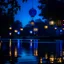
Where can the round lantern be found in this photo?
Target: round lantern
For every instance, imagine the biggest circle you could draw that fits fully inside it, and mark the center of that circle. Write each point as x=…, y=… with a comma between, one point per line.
x=51, y=22
x=32, y=12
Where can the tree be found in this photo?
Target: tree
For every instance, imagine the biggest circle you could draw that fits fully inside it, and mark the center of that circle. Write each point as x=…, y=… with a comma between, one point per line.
x=53, y=9
x=8, y=8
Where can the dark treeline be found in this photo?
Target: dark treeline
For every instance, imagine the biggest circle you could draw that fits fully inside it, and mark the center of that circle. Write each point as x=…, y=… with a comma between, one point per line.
x=53, y=9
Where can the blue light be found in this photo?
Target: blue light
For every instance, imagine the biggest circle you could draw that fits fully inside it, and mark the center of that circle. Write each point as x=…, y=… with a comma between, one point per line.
x=31, y=32
x=60, y=30
x=18, y=33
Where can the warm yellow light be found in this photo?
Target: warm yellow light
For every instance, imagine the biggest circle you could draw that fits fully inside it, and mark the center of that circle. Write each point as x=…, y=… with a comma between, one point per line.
x=40, y=60
x=59, y=60
x=21, y=29
x=51, y=59
x=15, y=31
x=35, y=29
x=51, y=23
x=32, y=23
x=10, y=28
x=46, y=27
x=10, y=53
x=46, y=56
x=15, y=52
x=36, y=52
x=10, y=43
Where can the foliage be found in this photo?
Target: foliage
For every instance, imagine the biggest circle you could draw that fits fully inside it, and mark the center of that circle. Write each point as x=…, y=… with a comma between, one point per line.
x=54, y=9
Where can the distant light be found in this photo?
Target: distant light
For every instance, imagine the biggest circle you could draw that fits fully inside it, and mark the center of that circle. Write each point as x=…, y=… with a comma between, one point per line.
x=10, y=28
x=46, y=27
x=15, y=52
x=41, y=60
x=15, y=31
x=55, y=28
x=35, y=29
x=60, y=30
x=51, y=23
x=32, y=23
x=51, y=59
x=18, y=33
x=10, y=33
x=31, y=32
x=10, y=53
x=21, y=29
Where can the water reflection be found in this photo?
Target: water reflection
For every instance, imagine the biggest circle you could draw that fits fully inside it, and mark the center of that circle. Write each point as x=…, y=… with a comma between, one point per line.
x=31, y=51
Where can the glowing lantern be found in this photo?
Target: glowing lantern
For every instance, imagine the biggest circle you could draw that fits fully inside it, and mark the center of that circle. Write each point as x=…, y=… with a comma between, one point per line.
x=51, y=23
x=35, y=29
x=21, y=29
x=15, y=31
x=55, y=28
x=10, y=28
x=10, y=33
x=46, y=27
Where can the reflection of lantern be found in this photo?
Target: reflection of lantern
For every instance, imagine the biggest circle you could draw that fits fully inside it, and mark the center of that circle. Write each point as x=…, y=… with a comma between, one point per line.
x=32, y=12
x=40, y=60
x=51, y=59
x=58, y=23
x=51, y=22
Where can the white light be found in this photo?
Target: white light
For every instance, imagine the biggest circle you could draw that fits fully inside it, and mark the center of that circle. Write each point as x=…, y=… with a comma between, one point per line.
x=10, y=28
x=30, y=32
x=21, y=29
x=15, y=31
x=51, y=22
x=10, y=33
x=35, y=29
x=55, y=28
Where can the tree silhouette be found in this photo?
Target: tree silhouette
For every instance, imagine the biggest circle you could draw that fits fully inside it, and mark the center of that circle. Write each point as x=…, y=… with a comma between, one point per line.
x=53, y=9
x=8, y=8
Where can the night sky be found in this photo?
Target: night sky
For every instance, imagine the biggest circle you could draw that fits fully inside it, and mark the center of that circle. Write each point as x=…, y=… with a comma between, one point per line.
x=23, y=14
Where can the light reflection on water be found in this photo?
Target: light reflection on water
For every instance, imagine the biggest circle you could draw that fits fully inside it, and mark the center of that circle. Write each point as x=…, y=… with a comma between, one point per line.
x=31, y=51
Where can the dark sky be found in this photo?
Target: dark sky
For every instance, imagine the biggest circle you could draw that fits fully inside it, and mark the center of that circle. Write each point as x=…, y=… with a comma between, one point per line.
x=23, y=14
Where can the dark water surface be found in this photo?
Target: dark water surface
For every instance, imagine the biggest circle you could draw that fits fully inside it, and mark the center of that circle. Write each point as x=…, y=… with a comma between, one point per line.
x=31, y=51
